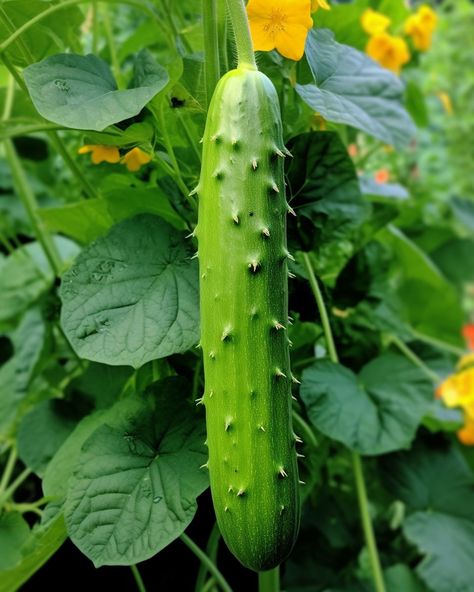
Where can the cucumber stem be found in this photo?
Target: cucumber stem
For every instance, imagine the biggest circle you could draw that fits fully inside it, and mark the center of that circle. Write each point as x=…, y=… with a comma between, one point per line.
x=269, y=581
x=356, y=460
x=211, y=46
x=410, y=354
x=203, y=558
x=243, y=39
x=138, y=578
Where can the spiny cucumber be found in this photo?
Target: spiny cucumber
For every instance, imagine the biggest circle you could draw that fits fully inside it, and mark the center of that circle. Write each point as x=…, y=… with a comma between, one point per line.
x=243, y=261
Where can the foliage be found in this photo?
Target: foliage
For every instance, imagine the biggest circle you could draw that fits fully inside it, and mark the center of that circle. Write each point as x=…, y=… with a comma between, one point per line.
x=100, y=366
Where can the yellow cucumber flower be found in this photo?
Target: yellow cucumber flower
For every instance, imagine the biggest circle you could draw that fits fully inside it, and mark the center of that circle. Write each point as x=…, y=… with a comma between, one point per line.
x=101, y=153
x=374, y=22
x=389, y=51
x=280, y=24
x=420, y=27
x=135, y=158
x=317, y=4
x=458, y=391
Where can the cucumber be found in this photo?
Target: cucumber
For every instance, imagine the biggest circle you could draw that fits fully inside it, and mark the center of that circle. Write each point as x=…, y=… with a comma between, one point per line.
x=243, y=260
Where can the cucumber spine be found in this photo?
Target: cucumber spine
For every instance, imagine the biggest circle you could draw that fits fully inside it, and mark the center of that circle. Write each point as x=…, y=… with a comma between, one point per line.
x=243, y=260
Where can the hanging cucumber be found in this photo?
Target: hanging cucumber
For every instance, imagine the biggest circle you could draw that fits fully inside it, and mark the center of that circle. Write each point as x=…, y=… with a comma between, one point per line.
x=244, y=311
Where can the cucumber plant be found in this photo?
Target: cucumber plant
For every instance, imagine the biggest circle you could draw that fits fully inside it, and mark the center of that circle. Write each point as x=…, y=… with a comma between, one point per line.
x=244, y=314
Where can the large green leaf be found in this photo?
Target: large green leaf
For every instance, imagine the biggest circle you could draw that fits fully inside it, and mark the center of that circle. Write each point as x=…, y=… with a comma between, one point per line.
x=455, y=259
x=132, y=296
x=14, y=531
x=349, y=87
x=80, y=92
x=438, y=487
x=43, y=542
x=137, y=478
x=85, y=221
x=376, y=412
x=16, y=374
x=53, y=33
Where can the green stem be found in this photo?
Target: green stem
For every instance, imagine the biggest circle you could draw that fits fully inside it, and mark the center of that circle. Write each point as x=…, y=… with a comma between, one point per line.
x=211, y=550
x=305, y=429
x=23, y=476
x=208, y=586
x=60, y=147
x=95, y=26
x=410, y=354
x=211, y=46
x=457, y=351
x=356, y=461
x=203, y=558
x=7, y=473
x=269, y=581
x=52, y=9
x=222, y=36
x=24, y=130
x=322, y=309
x=138, y=578
x=189, y=136
x=112, y=48
x=367, y=523
x=243, y=39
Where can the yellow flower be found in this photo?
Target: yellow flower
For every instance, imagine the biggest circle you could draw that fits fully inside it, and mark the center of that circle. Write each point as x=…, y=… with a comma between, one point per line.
x=466, y=434
x=420, y=27
x=317, y=4
x=374, y=22
x=135, y=158
x=458, y=390
x=101, y=153
x=466, y=361
x=389, y=51
x=281, y=25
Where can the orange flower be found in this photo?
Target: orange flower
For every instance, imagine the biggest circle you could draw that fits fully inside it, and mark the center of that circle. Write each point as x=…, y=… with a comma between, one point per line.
x=135, y=159
x=101, y=153
x=281, y=25
x=468, y=334
x=389, y=51
x=382, y=176
x=466, y=434
x=353, y=150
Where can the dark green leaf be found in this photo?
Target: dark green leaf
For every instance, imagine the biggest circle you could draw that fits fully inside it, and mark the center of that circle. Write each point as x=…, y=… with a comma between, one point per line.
x=14, y=531
x=455, y=259
x=80, y=92
x=373, y=413
x=137, y=478
x=132, y=296
x=351, y=88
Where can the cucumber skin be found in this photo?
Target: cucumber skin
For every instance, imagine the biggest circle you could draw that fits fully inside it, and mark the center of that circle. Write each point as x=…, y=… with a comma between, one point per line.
x=243, y=261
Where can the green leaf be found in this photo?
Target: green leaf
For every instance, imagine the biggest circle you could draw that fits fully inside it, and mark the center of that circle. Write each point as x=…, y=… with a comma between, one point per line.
x=455, y=259
x=137, y=478
x=80, y=92
x=17, y=373
x=431, y=303
x=373, y=413
x=438, y=487
x=416, y=104
x=132, y=296
x=25, y=275
x=43, y=430
x=349, y=87
x=44, y=541
x=344, y=21
x=14, y=531
x=400, y=577
x=53, y=33
x=85, y=221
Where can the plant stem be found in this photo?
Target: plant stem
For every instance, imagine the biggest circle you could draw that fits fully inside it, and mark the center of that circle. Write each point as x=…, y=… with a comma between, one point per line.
x=356, y=461
x=211, y=551
x=222, y=37
x=23, y=476
x=243, y=40
x=367, y=523
x=112, y=49
x=453, y=349
x=187, y=131
x=211, y=46
x=203, y=558
x=410, y=354
x=322, y=309
x=7, y=473
x=138, y=578
x=306, y=431
x=269, y=581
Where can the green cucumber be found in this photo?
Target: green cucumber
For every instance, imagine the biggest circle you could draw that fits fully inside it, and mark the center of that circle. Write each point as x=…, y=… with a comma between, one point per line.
x=243, y=261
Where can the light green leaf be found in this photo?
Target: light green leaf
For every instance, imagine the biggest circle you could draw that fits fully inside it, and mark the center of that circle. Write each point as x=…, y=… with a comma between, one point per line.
x=80, y=92
x=400, y=577
x=455, y=259
x=349, y=87
x=44, y=541
x=16, y=374
x=137, y=478
x=376, y=412
x=14, y=531
x=437, y=486
x=132, y=296
x=43, y=430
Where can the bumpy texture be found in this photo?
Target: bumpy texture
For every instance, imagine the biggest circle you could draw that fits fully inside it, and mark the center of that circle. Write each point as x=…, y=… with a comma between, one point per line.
x=244, y=313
